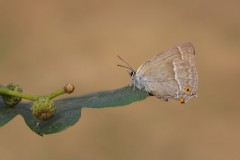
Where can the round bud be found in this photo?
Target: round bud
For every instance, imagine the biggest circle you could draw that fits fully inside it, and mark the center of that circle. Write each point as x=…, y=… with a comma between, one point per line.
x=68, y=88
x=43, y=108
x=12, y=100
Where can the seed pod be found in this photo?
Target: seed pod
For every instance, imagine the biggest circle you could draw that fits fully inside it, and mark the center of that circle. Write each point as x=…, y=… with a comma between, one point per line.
x=11, y=100
x=43, y=108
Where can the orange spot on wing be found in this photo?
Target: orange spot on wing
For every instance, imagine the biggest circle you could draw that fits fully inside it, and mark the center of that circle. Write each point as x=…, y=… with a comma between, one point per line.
x=187, y=89
x=181, y=100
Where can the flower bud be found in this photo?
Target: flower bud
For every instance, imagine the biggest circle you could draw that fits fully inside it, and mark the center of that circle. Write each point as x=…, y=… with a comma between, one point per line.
x=68, y=88
x=11, y=100
x=43, y=108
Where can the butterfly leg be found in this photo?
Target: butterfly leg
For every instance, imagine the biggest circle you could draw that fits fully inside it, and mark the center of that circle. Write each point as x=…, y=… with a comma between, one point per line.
x=129, y=83
x=134, y=85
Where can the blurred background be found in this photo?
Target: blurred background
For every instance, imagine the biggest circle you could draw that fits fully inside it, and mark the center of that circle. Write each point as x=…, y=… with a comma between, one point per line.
x=46, y=44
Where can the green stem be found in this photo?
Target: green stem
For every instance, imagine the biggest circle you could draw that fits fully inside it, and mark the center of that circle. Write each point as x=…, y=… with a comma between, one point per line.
x=6, y=91
x=57, y=93
x=67, y=89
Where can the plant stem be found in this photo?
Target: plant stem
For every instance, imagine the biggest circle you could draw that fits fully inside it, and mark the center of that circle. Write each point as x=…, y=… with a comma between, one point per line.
x=57, y=93
x=6, y=91
x=67, y=89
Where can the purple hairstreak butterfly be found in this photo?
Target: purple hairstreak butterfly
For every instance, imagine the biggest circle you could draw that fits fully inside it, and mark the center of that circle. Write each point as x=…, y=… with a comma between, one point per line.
x=171, y=74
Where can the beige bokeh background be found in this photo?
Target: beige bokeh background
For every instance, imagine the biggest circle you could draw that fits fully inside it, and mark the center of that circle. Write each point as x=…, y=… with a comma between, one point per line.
x=45, y=44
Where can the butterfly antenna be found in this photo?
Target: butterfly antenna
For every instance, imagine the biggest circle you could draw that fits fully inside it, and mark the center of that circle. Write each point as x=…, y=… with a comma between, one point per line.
x=128, y=66
x=124, y=66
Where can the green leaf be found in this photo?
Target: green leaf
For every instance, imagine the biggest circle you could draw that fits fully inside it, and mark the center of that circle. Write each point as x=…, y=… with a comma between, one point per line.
x=119, y=97
x=6, y=113
x=63, y=119
x=69, y=109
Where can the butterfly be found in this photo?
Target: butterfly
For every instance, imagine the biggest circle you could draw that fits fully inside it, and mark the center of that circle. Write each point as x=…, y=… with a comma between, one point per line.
x=171, y=74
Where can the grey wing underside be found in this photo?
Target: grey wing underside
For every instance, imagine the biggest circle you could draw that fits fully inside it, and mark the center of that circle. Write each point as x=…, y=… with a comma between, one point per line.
x=168, y=73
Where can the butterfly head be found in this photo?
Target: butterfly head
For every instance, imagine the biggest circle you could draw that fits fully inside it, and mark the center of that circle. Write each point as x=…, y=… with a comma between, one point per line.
x=132, y=73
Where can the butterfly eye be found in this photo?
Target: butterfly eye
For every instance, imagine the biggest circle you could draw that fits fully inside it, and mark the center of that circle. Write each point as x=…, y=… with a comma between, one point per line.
x=187, y=90
x=181, y=100
x=132, y=73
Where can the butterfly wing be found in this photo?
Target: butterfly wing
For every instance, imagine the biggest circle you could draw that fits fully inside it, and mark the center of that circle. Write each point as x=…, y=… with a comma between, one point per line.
x=171, y=74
